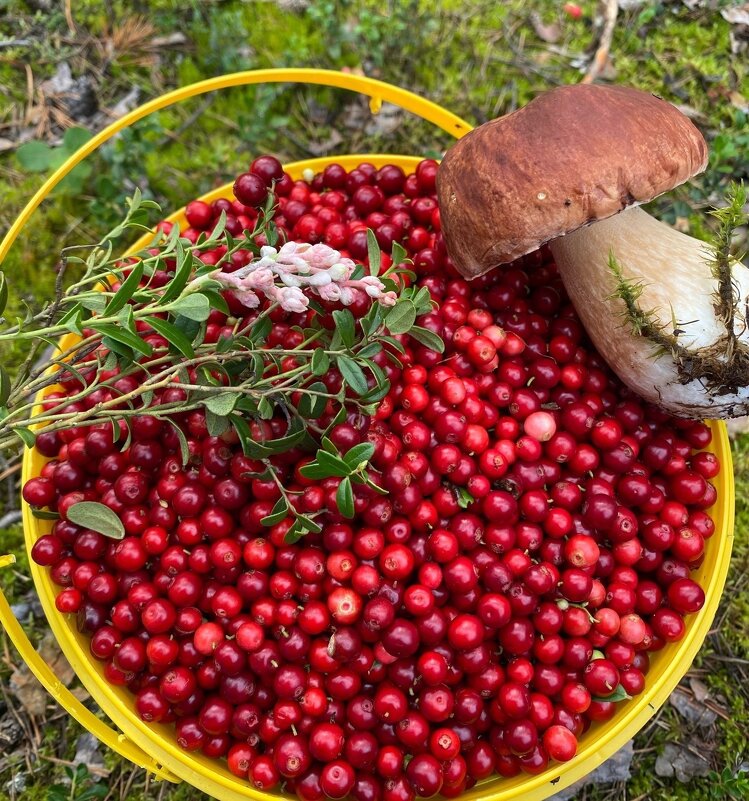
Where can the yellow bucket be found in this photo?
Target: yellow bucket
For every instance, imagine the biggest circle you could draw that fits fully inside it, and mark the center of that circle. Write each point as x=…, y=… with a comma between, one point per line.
x=153, y=746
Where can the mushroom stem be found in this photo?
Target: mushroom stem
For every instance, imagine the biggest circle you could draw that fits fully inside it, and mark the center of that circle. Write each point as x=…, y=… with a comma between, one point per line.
x=694, y=357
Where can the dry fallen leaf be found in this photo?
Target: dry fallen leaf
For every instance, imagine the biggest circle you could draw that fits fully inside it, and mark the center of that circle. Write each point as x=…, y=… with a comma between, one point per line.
x=699, y=689
x=739, y=101
x=550, y=33
x=736, y=15
x=26, y=687
x=170, y=40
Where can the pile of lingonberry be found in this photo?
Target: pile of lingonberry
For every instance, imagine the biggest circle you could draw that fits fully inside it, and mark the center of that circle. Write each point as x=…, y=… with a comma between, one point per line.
x=534, y=547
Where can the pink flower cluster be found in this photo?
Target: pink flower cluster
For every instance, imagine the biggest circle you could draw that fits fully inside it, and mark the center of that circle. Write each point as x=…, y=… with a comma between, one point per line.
x=284, y=276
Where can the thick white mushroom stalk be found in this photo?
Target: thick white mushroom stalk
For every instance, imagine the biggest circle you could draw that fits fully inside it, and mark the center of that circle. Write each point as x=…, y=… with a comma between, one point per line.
x=668, y=313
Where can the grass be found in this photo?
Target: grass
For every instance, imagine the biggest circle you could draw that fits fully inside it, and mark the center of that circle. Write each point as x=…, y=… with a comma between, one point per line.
x=480, y=65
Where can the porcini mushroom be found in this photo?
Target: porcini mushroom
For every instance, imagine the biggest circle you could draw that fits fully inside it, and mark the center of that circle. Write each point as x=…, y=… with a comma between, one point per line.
x=570, y=168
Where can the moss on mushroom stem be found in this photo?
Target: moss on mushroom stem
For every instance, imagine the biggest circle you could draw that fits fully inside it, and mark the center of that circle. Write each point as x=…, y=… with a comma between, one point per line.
x=724, y=366
x=685, y=343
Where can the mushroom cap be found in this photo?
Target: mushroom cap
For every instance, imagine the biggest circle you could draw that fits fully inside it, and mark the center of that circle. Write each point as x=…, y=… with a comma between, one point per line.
x=572, y=156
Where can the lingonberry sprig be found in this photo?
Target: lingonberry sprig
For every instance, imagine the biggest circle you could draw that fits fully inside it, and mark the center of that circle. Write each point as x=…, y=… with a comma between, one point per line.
x=351, y=467
x=145, y=318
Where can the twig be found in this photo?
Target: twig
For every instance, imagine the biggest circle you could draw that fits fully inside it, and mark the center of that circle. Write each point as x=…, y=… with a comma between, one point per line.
x=69, y=18
x=10, y=518
x=15, y=43
x=29, y=92
x=93, y=769
x=10, y=470
x=596, y=66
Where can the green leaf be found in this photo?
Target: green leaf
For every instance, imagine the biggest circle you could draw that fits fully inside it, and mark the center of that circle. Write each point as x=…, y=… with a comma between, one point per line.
x=375, y=395
x=427, y=338
x=3, y=292
x=244, y=433
x=184, y=448
x=172, y=334
x=261, y=450
x=312, y=406
x=422, y=300
x=352, y=375
x=401, y=317
x=380, y=377
x=320, y=362
x=221, y=404
x=393, y=343
x=217, y=424
x=334, y=465
x=97, y=517
x=346, y=327
x=44, y=514
x=34, y=156
x=619, y=694
x=314, y=471
x=398, y=254
x=95, y=302
x=373, y=253
x=358, y=454
x=5, y=386
x=295, y=533
x=309, y=524
x=68, y=368
x=344, y=498
x=74, y=138
x=218, y=229
x=123, y=336
x=190, y=328
x=260, y=329
x=465, y=499
x=369, y=351
x=216, y=300
x=182, y=275
x=125, y=292
x=372, y=320
x=327, y=445
x=265, y=409
x=325, y=466
x=72, y=320
x=194, y=307
x=26, y=435
x=205, y=374
x=278, y=513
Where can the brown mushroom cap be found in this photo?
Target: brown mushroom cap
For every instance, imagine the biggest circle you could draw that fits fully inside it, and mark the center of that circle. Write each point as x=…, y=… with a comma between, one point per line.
x=572, y=156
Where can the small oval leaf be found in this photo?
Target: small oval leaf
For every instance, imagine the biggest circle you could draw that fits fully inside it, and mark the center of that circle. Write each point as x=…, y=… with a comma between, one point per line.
x=401, y=317
x=344, y=498
x=194, y=307
x=352, y=375
x=97, y=517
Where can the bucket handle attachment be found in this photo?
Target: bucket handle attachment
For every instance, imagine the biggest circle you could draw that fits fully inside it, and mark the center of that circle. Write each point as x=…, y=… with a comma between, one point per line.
x=117, y=742
x=377, y=91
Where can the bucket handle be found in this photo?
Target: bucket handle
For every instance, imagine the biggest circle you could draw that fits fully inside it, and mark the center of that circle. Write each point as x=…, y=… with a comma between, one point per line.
x=117, y=742
x=378, y=91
